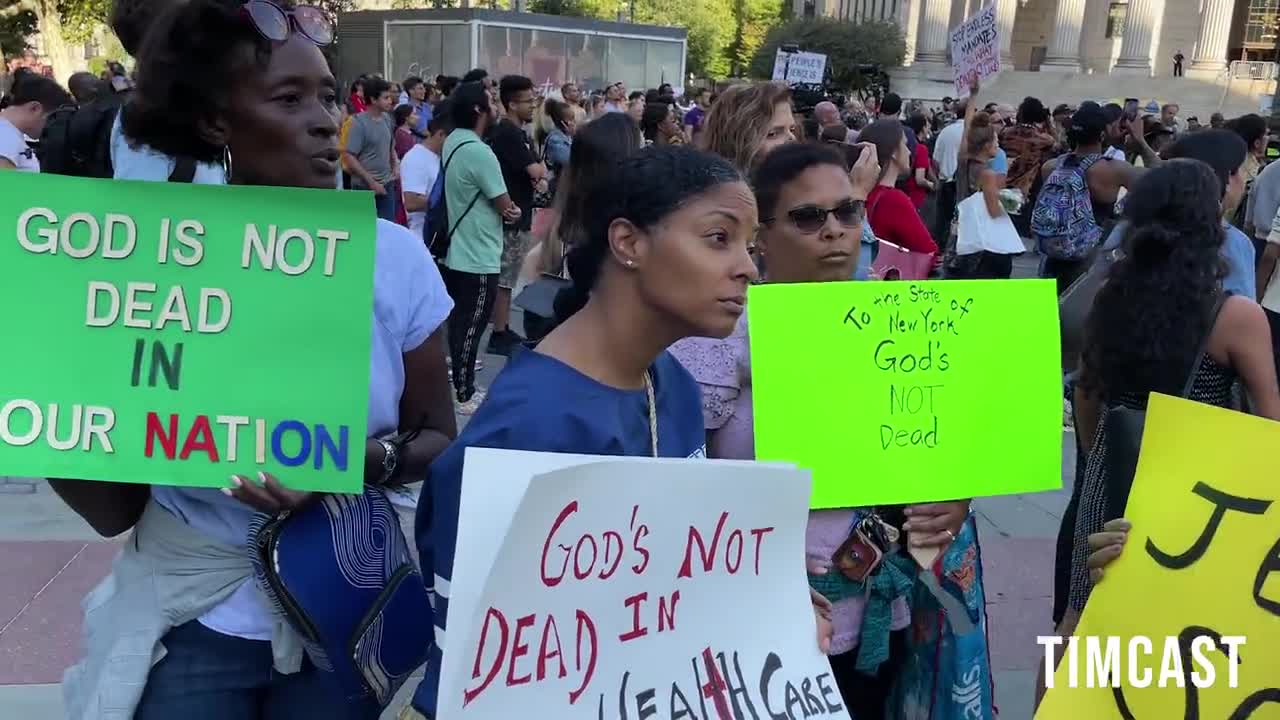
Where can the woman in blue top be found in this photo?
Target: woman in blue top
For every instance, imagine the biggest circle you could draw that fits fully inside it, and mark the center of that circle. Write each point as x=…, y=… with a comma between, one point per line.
x=664, y=254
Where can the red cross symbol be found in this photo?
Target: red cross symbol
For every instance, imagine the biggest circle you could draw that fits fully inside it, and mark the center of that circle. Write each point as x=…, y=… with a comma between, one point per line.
x=715, y=689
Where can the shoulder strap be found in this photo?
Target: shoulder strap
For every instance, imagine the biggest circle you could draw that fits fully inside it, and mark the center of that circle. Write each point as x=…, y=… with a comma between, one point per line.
x=1204, y=345
x=1088, y=161
x=184, y=170
x=455, y=152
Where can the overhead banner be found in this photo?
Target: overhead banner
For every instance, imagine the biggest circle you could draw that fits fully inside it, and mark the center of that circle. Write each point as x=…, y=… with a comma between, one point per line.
x=1186, y=624
x=975, y=49
x=176, y=334
x=900, y=392
x=602, y=587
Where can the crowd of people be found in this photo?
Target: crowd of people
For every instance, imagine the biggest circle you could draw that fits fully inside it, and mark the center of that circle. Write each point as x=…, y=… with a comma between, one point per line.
x=650, y=216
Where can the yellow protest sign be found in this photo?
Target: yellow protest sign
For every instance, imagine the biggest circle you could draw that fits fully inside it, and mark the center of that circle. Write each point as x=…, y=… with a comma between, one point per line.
x=1198, y=583
x=896, y=392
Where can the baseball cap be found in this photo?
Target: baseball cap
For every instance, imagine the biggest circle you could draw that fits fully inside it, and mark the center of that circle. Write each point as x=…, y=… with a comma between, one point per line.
x=1063, y=109
x=1089, y=120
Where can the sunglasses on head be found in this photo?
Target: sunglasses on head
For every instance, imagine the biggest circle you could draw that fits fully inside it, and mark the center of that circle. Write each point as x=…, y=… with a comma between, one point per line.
x=811, y=218
x=275, y=23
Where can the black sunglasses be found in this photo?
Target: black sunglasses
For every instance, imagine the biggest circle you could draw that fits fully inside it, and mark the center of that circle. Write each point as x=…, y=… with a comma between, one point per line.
x=811, y=218
x=274, y=22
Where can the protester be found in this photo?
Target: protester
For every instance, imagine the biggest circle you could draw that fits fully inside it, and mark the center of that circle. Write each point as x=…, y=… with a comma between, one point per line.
x=892, y=215
x=420, y=173
x=983, y=257
x=920, y=181
x=810, y=232
x=1264, y=201
x=30, y=102
x=417, y=94
x=1157, y=311
x=478, y=204
x=659, y=125
x=179, y=629
x=828, y=117
x=1030, y=142
x=1169, y=117
x=523, y=174
x=635, y=109
x=369, y=150
x=85, y=88
x=404, y=118
x=664, y=256
x=572, y=95
x=946, y=156
x=697, y=115
x=1252, y=128
x=1226, y=153
x=747, y=121
x=615, y=98
x=357, y=100
x=1066, y=250
x=557, y=140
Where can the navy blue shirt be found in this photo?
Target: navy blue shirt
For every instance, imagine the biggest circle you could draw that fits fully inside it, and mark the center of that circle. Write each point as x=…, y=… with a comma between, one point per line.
x=539, y=403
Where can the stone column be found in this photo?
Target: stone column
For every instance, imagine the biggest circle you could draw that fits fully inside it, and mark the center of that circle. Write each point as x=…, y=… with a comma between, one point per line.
x=1135, y=47
x=1210, y=56
x=1006, y=12
x=931, y=43
x=1064, y=51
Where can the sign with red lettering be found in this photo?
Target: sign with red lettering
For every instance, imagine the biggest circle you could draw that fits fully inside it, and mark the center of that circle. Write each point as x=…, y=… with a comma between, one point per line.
x=633, y=588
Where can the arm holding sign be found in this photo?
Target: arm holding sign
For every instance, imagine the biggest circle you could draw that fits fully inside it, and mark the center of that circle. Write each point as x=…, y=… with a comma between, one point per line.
x=110, y=508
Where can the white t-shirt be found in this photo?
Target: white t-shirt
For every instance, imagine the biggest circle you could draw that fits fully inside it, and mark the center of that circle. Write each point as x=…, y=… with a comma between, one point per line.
x=409, y=304
x=143, y=163
x=946, y=151
x=1115, y=153
x=14, y=148
x=418, y=171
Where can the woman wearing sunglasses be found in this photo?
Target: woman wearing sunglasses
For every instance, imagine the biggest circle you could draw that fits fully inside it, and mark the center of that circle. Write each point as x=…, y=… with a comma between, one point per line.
x=180, y=629
x=811, y=211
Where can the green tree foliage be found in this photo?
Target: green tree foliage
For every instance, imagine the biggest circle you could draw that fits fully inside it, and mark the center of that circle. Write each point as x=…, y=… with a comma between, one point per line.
x=709, y=26
x=81, y=18
x=751, y=20
x=17, y=25
x=845, y=44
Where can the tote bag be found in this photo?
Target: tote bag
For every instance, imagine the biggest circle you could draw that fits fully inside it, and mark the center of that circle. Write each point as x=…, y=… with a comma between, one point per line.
x=894, y=262
x=978, y=231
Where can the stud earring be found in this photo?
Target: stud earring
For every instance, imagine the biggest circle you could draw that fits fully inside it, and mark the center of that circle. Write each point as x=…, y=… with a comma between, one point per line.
x=631, y=263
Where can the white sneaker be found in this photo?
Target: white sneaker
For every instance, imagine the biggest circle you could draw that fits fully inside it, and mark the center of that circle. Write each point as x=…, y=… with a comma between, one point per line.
x=469, y=407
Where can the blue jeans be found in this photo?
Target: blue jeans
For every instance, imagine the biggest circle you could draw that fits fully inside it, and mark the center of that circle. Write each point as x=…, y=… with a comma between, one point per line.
x=206, y=675
x=386, y=204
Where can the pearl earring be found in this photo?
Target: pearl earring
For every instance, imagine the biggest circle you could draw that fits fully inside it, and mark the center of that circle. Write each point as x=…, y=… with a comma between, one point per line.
x=630, y=263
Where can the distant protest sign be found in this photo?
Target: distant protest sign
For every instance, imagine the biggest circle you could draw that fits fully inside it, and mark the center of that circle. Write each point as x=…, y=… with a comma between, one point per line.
x=631, y=589
x=175, y=334
x=799, y=67
x=975, y=49
x=1186, y=624
x=899, y=392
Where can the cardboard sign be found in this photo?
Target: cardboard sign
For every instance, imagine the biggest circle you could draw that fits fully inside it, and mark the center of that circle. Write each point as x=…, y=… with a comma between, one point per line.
x=631, y=588
x=1202, y=561
x=175, y=334
x=900, y=392
x=975, y=49
x=799, y=67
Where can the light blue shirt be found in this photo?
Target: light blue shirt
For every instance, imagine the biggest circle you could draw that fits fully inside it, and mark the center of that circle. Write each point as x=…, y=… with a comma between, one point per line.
x=1000, y=163
x=1239, y=253
x=868, y=251
x=140, y=162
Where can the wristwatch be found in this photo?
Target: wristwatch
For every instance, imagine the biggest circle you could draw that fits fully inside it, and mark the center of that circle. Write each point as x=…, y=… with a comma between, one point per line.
x=390, y=460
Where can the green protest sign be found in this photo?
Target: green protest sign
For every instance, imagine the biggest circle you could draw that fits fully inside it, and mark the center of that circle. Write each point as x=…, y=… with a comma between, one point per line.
x=899, y=392
x=177, y=334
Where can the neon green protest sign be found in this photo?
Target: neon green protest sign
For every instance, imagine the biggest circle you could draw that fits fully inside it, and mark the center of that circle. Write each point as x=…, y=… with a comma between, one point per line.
x=898, y=392
x=177, y=334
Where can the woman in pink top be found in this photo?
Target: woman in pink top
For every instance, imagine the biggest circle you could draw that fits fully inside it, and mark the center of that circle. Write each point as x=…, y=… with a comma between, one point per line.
x=811, y=214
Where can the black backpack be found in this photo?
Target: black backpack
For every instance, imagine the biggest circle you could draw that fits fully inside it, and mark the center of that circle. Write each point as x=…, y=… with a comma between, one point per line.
x=77, y=139
x=439, y=232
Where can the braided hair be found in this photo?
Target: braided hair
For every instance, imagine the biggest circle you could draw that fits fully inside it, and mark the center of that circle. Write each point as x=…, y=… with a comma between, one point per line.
x=644, y=189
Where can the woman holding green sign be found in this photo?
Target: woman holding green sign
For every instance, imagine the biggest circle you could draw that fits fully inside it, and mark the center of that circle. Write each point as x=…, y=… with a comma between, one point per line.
x=246, y=82
x=811, y=212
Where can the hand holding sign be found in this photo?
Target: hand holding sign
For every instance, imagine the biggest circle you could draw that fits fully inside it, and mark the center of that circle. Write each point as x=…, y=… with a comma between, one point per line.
x=1186, y=645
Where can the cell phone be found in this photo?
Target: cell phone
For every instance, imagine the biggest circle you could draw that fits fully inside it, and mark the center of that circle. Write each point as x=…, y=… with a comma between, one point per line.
x=1131, y=109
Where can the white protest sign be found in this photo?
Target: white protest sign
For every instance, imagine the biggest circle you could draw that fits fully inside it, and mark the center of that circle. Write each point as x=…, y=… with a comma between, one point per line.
x=799, y=67
x=664, y=589
x=975, y=49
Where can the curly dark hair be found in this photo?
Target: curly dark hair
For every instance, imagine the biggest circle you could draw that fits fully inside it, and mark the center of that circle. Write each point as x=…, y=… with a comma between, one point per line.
x=1151, y=314
x=187, y=67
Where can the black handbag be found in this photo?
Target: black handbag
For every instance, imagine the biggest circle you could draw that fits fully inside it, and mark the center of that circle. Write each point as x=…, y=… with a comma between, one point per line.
x=1124, y=431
